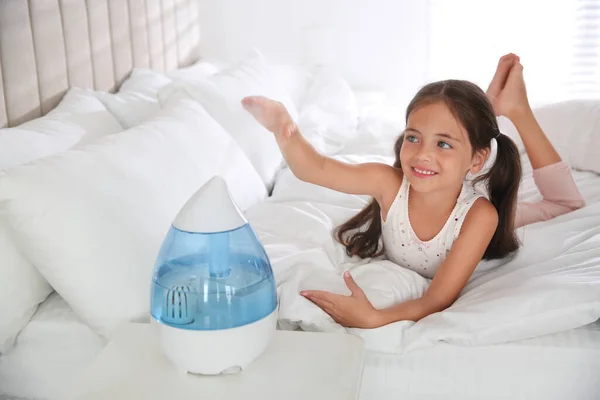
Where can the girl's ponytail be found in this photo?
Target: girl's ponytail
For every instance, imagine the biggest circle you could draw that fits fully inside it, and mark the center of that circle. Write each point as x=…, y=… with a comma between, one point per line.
x=361, y=233
x=503, y=181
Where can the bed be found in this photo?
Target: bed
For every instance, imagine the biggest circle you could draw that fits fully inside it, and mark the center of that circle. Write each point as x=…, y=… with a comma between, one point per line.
x=56, y=343
x=138, y=67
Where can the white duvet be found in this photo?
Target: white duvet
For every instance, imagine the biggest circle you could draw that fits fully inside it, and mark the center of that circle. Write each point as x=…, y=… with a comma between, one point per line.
x=552, y=285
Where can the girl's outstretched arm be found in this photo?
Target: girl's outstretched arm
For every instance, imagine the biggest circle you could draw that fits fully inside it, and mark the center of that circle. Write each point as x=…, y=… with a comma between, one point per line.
x=377, y=180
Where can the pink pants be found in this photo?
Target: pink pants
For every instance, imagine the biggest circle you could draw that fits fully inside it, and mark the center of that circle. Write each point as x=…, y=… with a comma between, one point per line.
x=559, y=195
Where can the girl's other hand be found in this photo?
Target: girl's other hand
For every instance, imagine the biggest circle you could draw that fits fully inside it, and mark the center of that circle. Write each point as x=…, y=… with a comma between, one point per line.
x=354, y=311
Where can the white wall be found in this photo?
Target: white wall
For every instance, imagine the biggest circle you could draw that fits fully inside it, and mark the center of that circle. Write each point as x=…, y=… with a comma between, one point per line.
x=468, y=36
x=376, y=44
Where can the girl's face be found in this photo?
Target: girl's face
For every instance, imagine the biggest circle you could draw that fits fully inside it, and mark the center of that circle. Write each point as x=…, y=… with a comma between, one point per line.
x=436, y=153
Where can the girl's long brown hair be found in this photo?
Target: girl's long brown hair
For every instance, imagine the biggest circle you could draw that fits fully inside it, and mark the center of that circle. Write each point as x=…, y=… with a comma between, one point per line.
x=361, y=234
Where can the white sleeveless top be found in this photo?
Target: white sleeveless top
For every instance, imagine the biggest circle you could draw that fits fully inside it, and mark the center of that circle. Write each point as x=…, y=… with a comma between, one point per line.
x=403, y=247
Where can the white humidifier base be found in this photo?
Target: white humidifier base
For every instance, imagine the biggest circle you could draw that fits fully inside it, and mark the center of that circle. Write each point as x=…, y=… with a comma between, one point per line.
x=213, y=352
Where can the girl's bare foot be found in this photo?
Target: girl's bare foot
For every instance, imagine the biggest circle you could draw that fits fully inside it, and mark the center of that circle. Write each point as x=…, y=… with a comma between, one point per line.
x=499, y=80
x=512, y=101
x=271, y=114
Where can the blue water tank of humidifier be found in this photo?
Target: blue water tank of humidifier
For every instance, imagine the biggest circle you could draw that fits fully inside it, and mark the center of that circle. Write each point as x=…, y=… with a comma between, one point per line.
x=213, y=293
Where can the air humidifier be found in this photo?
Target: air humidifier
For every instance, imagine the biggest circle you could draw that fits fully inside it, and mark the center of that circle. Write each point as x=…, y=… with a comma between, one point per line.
x=213, y=295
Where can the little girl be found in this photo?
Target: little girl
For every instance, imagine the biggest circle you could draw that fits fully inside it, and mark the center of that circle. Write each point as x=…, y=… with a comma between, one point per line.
x=425, y=215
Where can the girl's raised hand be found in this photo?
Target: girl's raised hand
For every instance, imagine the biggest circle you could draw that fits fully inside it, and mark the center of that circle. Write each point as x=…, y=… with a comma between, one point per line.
x=271, y=114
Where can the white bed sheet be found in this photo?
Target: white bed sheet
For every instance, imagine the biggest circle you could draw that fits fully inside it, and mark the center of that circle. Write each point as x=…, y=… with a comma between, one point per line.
x=54, y=346
x=559, y=366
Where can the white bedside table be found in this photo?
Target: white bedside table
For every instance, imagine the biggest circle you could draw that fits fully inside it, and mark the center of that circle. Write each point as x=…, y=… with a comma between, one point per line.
x=296, y=365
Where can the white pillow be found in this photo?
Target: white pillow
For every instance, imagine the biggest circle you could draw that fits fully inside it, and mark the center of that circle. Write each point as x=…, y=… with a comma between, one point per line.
x=136, y=100
x=93, y=220
x=199, y=70
x=78, y=118
x=572, y=126
x=294, y=80
x=329, y=114
x=221, y=95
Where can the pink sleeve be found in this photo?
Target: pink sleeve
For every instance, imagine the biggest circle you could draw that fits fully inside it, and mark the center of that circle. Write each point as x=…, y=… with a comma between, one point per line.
x=559, y=195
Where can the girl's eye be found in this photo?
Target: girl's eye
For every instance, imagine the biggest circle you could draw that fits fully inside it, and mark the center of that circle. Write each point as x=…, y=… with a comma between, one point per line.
x=444, y=145
x=411, y=138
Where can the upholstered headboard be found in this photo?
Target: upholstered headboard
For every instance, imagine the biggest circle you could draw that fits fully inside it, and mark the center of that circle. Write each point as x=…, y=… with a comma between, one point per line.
x=47, y=46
